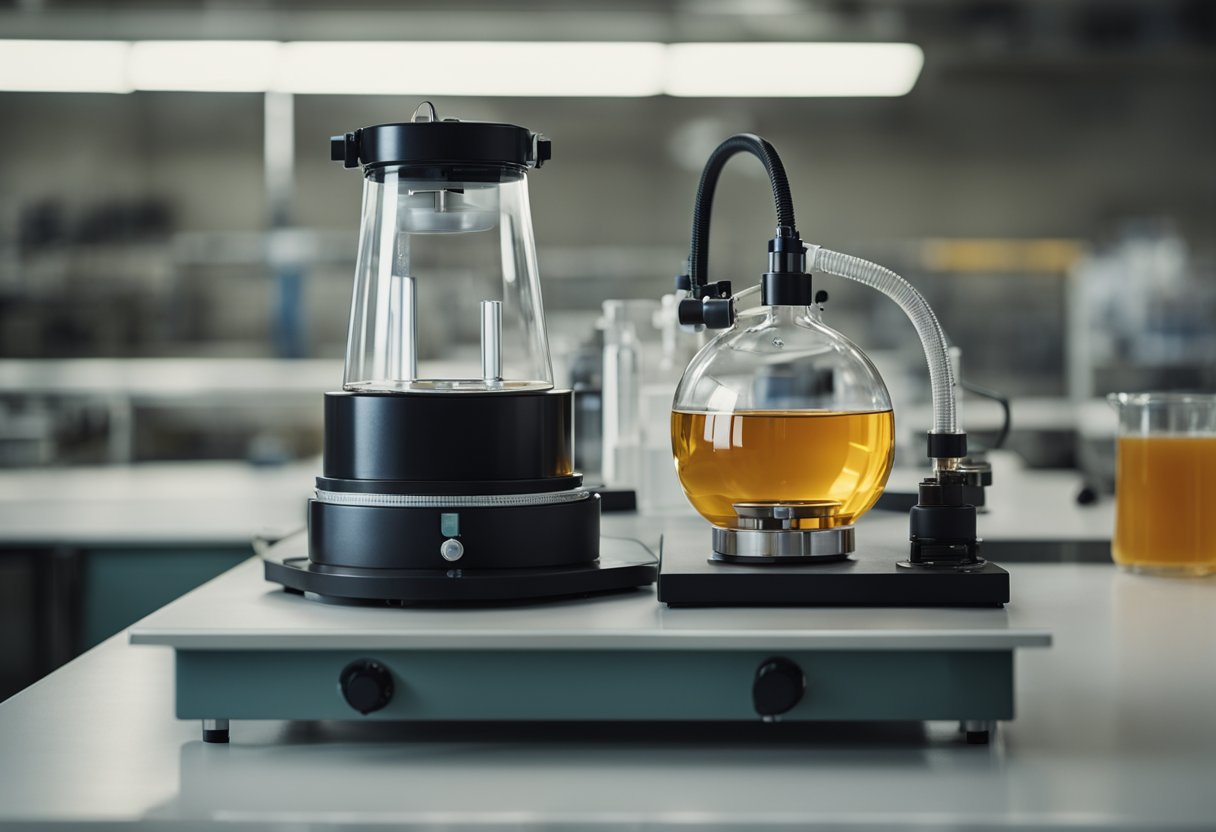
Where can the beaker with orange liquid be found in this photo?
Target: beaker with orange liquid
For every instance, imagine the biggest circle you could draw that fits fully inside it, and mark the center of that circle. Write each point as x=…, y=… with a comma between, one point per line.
x=1165, y=483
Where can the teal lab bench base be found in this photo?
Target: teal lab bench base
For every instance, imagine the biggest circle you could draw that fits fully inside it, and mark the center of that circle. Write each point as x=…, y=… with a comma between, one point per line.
x=58, y=601
x=121, y=586
x=612, y=685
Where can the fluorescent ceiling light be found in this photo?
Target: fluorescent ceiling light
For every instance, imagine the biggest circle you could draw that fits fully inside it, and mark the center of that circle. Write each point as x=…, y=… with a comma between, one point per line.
x=791, y=70
x=473, y=68
x=64, y=66
x=465, y=68
x=203, y=65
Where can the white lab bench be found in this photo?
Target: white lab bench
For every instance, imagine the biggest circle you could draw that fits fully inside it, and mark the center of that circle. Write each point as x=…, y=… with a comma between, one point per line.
x=1113, y=728
x=226, y=502
x=164, y=504
x=124, y=385
x=100, y=547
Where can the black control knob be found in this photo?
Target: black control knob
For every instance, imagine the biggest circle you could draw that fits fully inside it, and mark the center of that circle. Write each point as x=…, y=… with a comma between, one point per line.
x=366, y=685
x=778, y=687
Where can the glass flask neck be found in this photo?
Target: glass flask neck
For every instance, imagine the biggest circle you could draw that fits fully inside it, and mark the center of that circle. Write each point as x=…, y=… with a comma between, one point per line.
x=805, y=316
x=788, y=312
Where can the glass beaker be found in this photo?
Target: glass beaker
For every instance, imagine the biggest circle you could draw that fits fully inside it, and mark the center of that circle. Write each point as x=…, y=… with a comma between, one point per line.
x=1165, y=483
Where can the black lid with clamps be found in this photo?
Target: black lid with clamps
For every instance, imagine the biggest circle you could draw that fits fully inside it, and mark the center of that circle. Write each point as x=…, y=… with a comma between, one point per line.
x=441, y=143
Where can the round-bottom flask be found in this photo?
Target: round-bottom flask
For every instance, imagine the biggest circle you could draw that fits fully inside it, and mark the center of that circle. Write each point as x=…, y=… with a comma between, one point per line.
x=783, y=436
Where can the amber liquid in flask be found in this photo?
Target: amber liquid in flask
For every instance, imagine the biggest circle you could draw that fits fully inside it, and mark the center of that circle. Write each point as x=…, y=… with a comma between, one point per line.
x=782, y=456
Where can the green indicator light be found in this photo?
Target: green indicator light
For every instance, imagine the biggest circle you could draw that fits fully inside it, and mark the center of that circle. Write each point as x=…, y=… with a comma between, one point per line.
x=449, y=524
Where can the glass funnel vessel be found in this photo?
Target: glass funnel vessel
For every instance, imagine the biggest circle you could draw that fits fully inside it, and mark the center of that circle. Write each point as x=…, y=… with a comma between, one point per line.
x=782, y=422
x=443, y=237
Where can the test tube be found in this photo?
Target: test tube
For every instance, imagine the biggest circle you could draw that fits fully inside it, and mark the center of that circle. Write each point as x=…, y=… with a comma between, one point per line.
x=491, y=340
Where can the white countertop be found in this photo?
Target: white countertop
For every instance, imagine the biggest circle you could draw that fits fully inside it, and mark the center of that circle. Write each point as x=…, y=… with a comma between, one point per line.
x=162, y=379
x=243, y=612
x=173, y=380
x=1090, y=417
x=227, y=503
x=185, y=503
x=1114, y=728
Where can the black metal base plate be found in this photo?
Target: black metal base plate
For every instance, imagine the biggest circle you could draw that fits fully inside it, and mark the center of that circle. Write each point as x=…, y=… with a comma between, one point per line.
x=868, y=578
x=623, y=564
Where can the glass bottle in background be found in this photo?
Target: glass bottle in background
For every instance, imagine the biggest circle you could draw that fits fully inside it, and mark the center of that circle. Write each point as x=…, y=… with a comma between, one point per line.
x=659, y=490
x=622, y=364
x=645, y=352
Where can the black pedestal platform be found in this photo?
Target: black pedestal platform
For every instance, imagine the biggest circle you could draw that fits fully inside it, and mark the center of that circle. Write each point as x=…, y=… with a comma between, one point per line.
x=622, y=564
x=869, y=578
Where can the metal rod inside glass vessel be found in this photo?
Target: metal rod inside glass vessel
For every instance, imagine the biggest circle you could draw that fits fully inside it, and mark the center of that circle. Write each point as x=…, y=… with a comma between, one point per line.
x=403, y=354
x=491, y=340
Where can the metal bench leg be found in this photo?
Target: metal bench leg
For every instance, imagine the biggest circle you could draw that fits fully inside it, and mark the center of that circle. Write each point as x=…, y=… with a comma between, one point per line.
x=215, y=730
x=978, y=731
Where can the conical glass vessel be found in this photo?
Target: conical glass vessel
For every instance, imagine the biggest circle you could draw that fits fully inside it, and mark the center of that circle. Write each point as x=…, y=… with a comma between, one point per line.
x=782, y=409
x=427, y=233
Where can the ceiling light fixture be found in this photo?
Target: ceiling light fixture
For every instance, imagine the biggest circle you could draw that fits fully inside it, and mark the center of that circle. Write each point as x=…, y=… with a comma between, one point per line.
x=203, y=65
x=465, y=68
x=472, y=68
x=64, y=66
x=792, y=70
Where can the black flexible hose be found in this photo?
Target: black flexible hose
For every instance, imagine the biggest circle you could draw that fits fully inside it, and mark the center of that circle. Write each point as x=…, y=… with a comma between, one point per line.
x=698, y=258
x=1006, y=409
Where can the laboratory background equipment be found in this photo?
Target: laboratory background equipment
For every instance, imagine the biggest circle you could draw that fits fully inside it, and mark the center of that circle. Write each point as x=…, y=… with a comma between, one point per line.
x=452, y=482
x=645, y=352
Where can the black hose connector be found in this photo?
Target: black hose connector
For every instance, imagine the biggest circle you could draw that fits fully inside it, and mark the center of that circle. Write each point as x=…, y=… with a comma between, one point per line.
x=942, y=527
x=786, y=290
x=718, y=313
x=786, y=252
x=691, y=312
x=947, y=445
x=786, y=282
x=710, y=306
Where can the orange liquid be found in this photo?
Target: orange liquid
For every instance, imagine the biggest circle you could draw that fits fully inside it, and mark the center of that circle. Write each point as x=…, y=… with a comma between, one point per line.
x=1165, y=503
x=781, y=456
